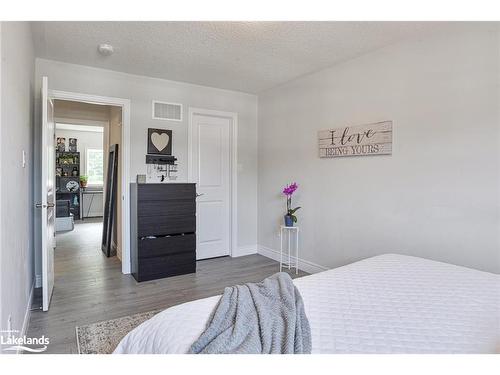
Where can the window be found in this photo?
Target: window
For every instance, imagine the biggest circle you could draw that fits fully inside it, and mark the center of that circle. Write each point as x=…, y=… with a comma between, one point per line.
x=95, y=166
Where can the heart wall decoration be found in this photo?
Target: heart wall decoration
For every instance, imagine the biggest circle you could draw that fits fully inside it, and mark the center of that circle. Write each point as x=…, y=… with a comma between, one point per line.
x=159, y=141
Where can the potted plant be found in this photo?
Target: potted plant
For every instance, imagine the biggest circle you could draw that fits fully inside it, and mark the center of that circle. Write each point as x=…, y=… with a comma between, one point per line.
x=290, y=217
x=83, y=181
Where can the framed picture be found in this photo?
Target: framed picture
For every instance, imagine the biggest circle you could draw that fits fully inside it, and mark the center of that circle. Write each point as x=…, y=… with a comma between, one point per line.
x=159, y=141
x=61, y=144
x=72, y=145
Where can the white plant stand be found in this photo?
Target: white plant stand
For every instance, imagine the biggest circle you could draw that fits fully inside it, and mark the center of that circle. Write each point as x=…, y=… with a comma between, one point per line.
x=287, y=232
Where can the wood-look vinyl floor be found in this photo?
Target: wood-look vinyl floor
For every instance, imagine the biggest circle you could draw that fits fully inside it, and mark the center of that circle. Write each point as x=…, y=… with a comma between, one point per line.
x=90, y=287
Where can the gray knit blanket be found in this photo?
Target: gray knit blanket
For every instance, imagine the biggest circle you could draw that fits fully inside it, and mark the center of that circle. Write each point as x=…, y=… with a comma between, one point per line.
x=265, y=317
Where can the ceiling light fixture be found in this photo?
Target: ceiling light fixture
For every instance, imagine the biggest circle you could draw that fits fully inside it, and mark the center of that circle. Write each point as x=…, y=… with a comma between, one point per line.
x=105, y=49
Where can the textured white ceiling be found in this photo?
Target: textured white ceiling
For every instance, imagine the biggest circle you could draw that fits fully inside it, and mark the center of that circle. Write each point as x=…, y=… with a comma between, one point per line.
x=243, y=56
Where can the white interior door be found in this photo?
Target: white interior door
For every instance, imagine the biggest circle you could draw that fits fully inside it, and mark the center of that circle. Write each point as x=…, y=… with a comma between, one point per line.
x=211, y=164
x=48, y=195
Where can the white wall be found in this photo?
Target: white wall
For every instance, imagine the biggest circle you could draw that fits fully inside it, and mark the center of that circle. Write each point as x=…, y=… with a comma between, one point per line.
x=80, y=113
x=436, y=197
x=142, y=91
x=16, y=200
x=86, y=140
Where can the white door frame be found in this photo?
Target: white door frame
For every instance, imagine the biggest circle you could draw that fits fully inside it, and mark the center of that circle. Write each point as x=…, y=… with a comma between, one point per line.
x=233, y=167
x=125, y=158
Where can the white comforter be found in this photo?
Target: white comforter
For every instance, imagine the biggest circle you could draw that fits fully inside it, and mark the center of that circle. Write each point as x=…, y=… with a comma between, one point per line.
x=385, y=304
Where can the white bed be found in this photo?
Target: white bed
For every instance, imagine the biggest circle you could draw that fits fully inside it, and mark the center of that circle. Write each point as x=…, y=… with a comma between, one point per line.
x=385, y=304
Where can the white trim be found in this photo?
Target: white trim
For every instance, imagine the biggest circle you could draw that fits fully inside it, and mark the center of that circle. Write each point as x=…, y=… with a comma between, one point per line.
x=166, y=119
x=27, y=314
x=245, y=250
x=304, y=265
x=125, y=158
x=233, y=167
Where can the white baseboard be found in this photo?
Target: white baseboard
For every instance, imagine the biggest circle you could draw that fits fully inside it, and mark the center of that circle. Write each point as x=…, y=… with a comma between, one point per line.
x=27, y=314
x=244, y=250
x=38, y=281
x=304, y=265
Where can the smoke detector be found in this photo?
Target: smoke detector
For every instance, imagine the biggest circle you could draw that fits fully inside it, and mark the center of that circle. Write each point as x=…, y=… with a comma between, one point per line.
x=105, y=49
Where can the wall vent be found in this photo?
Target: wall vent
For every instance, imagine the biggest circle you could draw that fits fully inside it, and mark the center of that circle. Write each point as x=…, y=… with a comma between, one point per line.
x=167, y=111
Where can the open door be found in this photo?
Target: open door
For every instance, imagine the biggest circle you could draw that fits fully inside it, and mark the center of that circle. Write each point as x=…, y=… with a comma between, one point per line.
x=48, y=195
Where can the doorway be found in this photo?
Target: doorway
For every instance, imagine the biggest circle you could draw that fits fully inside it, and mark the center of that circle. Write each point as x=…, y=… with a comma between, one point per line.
x=85, y=133
x=48, y=155
x=119, y=108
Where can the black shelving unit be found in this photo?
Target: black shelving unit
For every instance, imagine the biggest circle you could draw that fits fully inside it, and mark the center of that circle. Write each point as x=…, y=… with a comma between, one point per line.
x=68, y=180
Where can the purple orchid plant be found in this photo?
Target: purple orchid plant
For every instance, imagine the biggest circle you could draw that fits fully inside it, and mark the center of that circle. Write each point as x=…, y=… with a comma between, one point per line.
x=288, y=191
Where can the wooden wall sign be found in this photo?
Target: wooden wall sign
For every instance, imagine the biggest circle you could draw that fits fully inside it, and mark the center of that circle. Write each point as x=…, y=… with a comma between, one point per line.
x=360, y=140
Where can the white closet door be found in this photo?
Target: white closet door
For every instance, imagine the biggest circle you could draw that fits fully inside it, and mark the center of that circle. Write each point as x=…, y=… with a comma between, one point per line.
x=211, y=173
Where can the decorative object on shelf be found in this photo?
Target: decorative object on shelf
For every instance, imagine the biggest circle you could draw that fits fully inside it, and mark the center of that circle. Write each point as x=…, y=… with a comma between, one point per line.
x=290, y=217
x=156, y=173
x=161, y=168
x=83, y=181
x=68, y=159
x=61, y=144
x=68, y=180
x=360, y=140
x=159, y=141
x=72, y=186
x=172, y=170
x=72, y=145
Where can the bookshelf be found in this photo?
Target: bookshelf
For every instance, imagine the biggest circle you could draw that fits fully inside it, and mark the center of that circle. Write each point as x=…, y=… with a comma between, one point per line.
x=68, y=180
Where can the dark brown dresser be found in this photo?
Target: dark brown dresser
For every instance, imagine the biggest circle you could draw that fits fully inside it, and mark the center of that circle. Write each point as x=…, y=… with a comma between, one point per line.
x=162, y=230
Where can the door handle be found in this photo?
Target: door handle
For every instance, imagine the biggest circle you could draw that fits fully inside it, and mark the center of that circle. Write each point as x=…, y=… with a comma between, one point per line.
x=43, y=205
x=199, y=195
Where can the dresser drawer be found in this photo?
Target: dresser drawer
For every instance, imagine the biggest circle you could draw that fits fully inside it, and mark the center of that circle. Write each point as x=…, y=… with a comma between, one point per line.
x=165, y=192
x=164, y=225
x=162, y=273
x=167, y=208
x=152, y=247
x=169, y=265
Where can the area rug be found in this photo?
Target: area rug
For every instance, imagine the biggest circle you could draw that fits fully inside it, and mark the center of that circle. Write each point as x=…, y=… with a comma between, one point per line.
x=104, y=337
